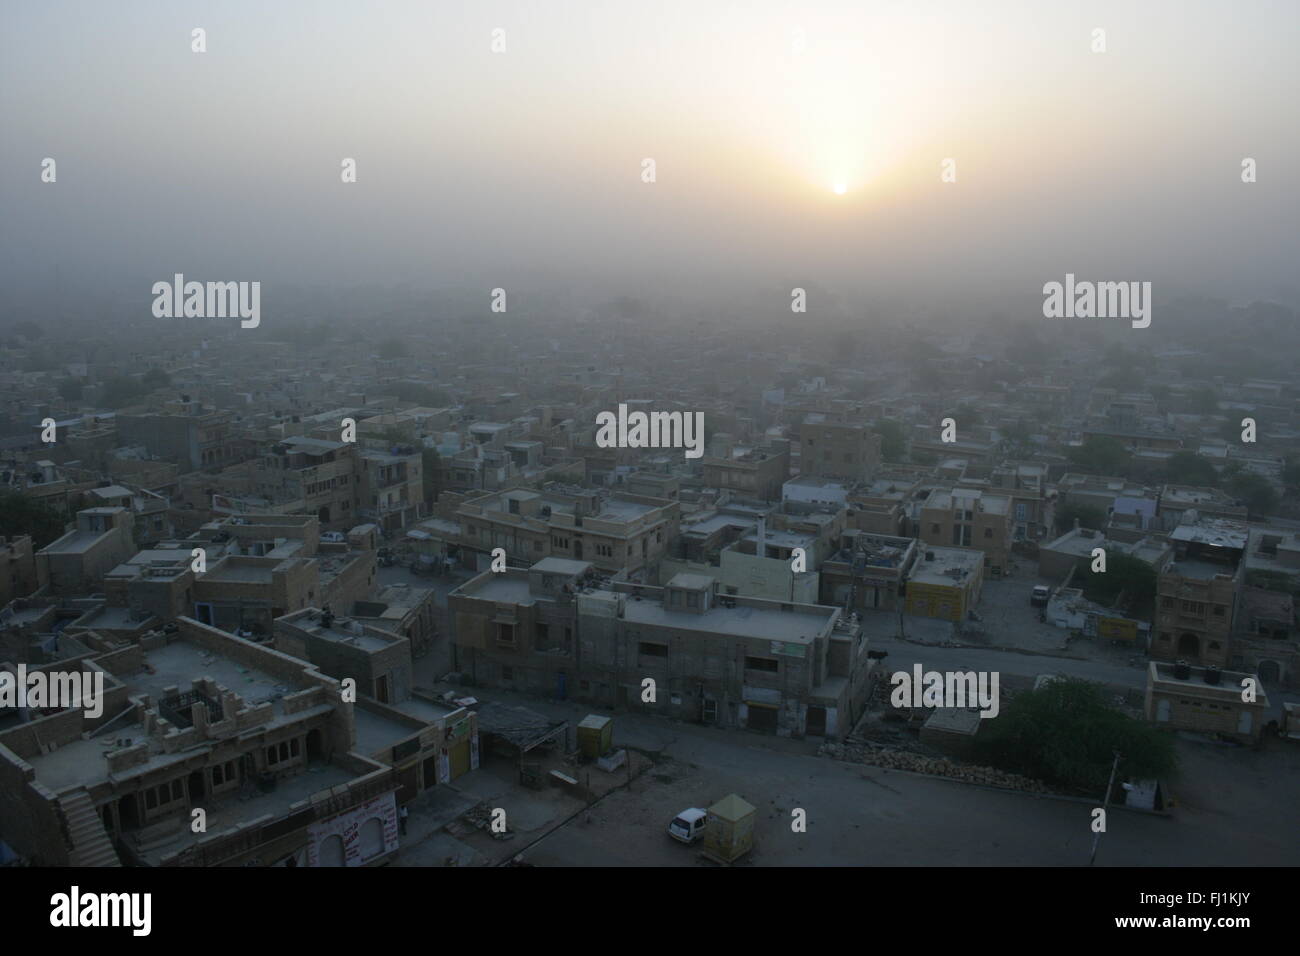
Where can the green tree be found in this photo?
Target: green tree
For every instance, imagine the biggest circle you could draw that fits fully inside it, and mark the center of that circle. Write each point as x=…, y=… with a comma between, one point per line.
x=1204, y=401
x=893, y=440
x=1066, y=734
x=1255, y=491
x=121, y=390
x=155, y=378
x=1089, y=517
x=1291, y=473
x=1125, y=575
x=21, y=515
x=1189, y=468
x=71, y=389
x=965, y=416
x=1099, y=455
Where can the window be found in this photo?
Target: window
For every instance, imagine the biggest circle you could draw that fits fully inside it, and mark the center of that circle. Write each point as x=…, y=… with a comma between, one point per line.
x=761, y=664
x=226, y=773
x=541, y=637
x=988, y=532
x=653, y=650
x=1218, y=610
x=507, y=672
x=1166, y=602
x=282, y=752
x=692, y=599
x=506, y=634
x=934, y=529
x=537, y=546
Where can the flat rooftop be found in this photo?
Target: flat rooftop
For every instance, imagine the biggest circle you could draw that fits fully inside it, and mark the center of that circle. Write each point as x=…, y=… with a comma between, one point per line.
x=249, y=803
x=238, y=572
x=1200, y=570
x=1216, y=532
x=716, y=522
x=1229, y=684
x=945, y=561
x=563, y=566
x=740, y=621
x=180, y=663
x=342, y=635
x=75, y=542
x=375, y=732
x=502, y=588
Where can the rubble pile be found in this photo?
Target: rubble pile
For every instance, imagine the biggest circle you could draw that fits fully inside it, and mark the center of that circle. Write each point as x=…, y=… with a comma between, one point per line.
x=935, y=766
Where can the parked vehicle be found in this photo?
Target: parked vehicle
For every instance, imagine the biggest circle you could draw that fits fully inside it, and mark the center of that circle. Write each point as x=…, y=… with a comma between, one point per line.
x=1040, y=595
x=335, y=536
x=688, y=826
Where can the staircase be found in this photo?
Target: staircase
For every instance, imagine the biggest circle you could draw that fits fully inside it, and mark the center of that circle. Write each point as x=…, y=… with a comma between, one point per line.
x=90, y=843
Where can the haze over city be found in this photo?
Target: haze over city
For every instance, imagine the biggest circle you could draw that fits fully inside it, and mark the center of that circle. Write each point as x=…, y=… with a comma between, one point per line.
x=522, y=168
x=577, y=434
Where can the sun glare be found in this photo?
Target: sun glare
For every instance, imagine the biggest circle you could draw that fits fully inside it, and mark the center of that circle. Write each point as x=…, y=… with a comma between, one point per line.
x=840, y=189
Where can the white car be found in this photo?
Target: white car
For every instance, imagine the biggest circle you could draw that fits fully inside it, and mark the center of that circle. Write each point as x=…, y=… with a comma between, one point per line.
x=688, y=826
x=334, y=536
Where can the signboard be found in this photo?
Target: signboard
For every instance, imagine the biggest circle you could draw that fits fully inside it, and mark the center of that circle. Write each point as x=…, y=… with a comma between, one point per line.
x=364, y=833
x=789, y=649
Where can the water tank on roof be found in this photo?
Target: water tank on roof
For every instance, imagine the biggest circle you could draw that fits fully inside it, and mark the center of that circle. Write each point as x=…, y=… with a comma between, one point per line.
x=1182, y=670
x=1212, y=675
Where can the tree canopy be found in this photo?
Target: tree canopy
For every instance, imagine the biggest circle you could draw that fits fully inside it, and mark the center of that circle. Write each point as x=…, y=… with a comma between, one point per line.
x=1066, y=734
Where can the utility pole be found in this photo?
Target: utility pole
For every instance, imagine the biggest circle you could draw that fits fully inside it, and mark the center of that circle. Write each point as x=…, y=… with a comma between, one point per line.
x=1105, y=802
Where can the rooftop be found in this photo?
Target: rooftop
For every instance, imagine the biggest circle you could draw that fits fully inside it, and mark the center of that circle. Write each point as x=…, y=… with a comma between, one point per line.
x=739, y=621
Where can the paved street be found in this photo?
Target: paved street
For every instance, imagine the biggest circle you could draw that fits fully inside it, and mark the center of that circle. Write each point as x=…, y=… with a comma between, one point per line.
x=1234, y=804
x=861, y=815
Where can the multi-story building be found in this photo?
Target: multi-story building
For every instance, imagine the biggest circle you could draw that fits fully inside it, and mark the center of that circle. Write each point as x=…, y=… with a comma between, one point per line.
x=75, y=562
x=1196, y=591
x=287, y=769
x=18, y=575
x=312, y=476
x=963, y=518
x=868, y=572
x=834, y=450
x=783, y=668
x=1205, y=700
x=753, y=473
x=392, y=486
x=615, y=532
x=182, y=432
x=1266, y=639
x=945, y=583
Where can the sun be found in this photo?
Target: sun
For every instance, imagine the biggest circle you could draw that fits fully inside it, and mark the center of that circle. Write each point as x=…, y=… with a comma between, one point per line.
x=840, y=189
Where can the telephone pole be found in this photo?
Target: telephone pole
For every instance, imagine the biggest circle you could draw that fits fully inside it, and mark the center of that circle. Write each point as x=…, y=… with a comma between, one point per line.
x=1096, y=837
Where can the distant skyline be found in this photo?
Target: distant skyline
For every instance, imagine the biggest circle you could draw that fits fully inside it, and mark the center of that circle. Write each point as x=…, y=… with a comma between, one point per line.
x=523, y=168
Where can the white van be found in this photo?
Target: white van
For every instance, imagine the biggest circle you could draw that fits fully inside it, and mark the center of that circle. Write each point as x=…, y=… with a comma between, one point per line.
x=688, y=826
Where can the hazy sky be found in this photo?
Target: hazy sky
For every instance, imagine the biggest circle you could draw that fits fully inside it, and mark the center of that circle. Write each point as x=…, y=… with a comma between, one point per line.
x=482, y=168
